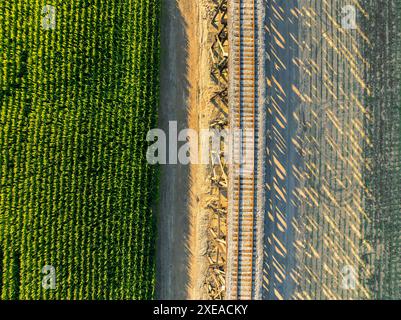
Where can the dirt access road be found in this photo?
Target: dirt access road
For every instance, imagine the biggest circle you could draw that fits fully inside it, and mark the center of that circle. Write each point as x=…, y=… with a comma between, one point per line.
x=183, y=74
x=173, y=222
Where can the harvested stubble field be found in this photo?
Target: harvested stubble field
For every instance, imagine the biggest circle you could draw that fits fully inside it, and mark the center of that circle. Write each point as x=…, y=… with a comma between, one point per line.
x=333, y=182
x=315, y=210
x=76, y=191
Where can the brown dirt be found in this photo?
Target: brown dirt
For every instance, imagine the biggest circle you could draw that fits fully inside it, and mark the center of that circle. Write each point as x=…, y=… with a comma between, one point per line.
x=184, y=190
x=201, y=113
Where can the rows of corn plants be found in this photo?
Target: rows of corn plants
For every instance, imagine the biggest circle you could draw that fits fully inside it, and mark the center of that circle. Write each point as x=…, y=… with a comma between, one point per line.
x=383, y=153
x=77, y=97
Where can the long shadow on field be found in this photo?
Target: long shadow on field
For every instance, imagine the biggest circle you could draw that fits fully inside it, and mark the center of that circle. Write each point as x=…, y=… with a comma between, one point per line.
x=283, y=157
x=173, y=219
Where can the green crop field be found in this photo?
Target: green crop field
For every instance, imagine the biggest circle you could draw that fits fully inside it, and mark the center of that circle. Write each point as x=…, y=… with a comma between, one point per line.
x=383, y=201
x=78, y=93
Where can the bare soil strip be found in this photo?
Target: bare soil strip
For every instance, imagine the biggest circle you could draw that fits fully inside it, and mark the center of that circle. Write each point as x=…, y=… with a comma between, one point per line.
x=184, y=189
x=173, y=223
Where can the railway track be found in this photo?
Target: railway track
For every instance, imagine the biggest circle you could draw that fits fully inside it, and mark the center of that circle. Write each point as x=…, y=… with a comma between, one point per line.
x=243, y=230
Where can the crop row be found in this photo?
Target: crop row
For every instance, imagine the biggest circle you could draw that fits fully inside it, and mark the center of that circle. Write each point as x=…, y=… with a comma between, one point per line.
x=76, y=191
x=383, y=103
